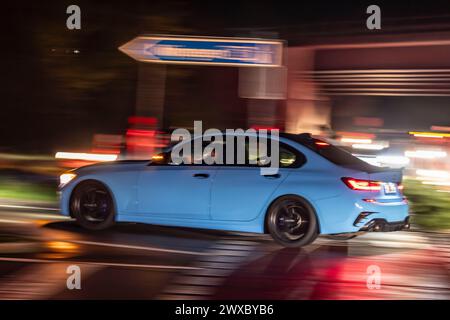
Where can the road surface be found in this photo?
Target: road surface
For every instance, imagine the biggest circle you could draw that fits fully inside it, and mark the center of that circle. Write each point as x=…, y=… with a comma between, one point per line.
x=134, y=261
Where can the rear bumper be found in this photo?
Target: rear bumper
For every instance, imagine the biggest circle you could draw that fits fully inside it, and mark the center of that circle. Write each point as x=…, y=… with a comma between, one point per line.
x=350, y=214
x=381, y=225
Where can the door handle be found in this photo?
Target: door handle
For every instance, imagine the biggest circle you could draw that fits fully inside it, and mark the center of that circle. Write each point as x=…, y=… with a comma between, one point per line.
x=272, y=176
x=200, y=175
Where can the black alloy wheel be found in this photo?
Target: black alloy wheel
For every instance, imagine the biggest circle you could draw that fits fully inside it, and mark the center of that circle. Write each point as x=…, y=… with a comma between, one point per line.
x=292, y=222
x=92, y=205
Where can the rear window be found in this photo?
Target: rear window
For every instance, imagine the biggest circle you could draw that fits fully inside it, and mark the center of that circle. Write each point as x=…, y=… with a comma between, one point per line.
x=341, y=157
x=336, y=155
x=333, y=153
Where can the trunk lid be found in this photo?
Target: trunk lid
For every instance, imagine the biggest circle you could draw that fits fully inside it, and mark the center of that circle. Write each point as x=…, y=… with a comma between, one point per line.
x=386, y=175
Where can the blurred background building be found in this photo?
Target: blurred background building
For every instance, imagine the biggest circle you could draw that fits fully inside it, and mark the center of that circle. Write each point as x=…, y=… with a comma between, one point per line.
x=382, y=94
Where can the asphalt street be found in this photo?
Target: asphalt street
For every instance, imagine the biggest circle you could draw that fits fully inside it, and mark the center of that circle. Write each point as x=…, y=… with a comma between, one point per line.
x=135, y=261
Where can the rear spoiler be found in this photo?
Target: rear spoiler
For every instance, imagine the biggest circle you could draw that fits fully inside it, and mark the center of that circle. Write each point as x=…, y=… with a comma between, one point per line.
x=386, y=175
x=383, y=174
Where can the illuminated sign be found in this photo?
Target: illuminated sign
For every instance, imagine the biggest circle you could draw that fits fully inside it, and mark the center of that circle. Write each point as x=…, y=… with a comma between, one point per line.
x=205, y=51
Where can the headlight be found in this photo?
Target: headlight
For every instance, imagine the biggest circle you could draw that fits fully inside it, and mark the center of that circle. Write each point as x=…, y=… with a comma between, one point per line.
x=65, y=178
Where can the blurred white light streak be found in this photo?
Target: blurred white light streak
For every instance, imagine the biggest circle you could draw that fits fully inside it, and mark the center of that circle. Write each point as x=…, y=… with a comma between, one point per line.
x=425, y=154
x=356, y=140
x=437, y=183
x=398, y=160
x=433, y=173
x=370, y=160
x=368, y=146
x=86, y=156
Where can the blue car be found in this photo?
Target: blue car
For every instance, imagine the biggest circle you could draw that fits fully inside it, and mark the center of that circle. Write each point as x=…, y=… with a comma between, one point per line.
x=319, y=189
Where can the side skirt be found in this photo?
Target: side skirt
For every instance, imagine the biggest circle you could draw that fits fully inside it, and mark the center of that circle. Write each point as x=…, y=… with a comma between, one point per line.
x=254, y=226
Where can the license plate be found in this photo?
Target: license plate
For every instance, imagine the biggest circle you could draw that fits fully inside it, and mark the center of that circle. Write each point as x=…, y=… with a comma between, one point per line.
x=390, y=188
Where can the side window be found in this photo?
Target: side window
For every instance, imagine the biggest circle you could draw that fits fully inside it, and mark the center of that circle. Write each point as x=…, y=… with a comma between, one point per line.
x=287, y=158
x=291, y=157
x=193, y=159
x=243, y=153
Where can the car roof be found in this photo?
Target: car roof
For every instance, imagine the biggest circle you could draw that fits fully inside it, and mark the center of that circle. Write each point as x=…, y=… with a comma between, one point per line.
x=305, y=139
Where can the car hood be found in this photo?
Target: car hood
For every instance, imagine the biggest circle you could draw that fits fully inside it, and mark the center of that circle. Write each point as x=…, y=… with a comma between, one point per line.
x=111, y=165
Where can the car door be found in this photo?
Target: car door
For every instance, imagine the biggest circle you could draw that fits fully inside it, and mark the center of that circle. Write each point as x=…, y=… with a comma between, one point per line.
x=175, y=191
x=240, y=192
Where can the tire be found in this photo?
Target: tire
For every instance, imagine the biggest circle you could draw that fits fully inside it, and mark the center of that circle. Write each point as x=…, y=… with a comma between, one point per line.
x=92, y=205
x=340, y=237
x=292, y=222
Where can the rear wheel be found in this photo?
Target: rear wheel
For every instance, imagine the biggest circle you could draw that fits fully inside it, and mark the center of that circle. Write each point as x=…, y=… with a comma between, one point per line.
x=292, y=222
x=92, y=205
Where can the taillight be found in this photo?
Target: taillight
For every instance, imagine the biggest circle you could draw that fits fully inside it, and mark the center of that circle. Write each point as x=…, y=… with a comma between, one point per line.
x=362, y=185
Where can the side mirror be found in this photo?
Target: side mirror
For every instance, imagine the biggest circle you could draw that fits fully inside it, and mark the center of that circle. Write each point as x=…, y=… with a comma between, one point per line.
x=160, y=158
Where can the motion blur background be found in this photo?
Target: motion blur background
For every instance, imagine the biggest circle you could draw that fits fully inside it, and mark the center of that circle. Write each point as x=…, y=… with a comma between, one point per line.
x=69, y=98
x=382, y=94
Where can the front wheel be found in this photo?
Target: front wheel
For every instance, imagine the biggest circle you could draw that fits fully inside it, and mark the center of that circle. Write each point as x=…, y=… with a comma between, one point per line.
x=292, y=222
x=92, y=205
